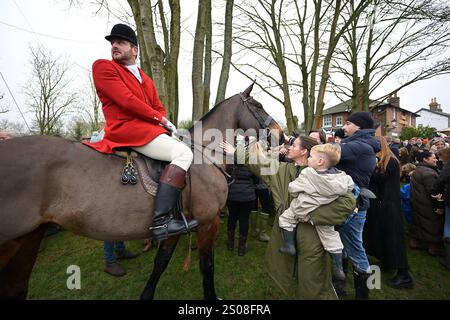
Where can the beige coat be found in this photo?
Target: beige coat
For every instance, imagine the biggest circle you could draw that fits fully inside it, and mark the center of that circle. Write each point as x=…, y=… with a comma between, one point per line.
x=313, y=189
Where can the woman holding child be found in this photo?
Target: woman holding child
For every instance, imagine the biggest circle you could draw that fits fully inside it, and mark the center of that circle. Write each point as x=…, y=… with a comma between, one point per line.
x=306, y=275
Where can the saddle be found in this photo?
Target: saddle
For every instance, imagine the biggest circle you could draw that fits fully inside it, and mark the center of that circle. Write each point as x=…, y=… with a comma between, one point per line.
x=137, y=165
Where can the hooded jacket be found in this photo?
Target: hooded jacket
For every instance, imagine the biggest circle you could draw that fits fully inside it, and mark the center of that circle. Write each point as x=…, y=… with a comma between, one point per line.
x=312, y=189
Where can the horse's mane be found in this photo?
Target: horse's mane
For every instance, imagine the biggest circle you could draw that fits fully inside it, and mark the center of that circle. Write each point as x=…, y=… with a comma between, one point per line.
x=210, y=112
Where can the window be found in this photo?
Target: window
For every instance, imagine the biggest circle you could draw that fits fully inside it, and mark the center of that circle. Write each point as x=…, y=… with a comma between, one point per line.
x=339, y=121
x=327, y=121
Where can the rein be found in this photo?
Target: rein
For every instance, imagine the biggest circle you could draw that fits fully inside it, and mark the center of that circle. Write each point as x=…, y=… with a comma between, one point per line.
x=195, y=145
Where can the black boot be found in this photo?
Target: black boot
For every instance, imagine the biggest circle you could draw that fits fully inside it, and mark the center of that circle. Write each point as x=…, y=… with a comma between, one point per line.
x=361, y=289
x=230, y=240
x=445, y=261
x=402, y=280
x=242, y=245
x=341, y=285
x=171, y=183
x=345, y=265
x=289, y=242
x=115, y=269
x=338, y=272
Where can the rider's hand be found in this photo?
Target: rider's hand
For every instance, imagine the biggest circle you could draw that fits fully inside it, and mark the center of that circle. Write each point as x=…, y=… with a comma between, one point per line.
x=227, y=147
x=169, y=125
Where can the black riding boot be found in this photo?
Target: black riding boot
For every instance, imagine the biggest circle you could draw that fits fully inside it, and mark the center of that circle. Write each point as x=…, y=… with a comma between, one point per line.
x=242, y=245
x=361, y=289
x=289, y=242
x=171, y=183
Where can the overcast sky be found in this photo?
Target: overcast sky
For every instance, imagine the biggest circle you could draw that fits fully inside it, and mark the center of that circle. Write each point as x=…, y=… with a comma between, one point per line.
x=79, y=35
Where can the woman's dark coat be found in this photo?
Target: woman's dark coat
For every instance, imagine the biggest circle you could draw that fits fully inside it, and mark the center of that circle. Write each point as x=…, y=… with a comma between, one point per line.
x=426, y=224
x=383, y=234
x=243, y=187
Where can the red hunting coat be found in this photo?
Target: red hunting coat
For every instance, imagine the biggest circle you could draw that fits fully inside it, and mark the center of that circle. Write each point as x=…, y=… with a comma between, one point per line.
x=132, y=110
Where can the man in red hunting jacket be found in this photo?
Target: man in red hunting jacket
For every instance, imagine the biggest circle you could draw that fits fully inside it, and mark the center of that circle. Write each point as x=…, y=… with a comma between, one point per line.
x=136, y=118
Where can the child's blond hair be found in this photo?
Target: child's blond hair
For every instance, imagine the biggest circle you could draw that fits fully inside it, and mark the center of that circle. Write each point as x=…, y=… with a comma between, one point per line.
x=332, y=152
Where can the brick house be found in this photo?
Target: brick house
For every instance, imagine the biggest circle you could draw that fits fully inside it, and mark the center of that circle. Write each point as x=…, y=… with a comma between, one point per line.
x=388, y=114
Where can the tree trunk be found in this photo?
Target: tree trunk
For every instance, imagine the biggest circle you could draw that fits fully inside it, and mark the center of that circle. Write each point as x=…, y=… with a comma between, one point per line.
x=326, y=67
x=151, y=54
x=197, y=61
x=227, y=52
x=208, y=59
x=279, y=60
x=172, y=48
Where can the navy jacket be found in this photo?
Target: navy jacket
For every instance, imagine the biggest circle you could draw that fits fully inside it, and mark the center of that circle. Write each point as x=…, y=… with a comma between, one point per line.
x=358, y=156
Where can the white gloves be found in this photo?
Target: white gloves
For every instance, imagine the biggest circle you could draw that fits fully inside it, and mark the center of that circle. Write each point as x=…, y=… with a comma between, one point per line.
x=170, y=126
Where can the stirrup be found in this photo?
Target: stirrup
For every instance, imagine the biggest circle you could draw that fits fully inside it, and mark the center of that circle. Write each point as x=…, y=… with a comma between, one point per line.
x=162, y=231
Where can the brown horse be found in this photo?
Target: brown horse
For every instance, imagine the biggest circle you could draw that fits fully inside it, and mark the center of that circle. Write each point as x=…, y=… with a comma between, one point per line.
x=53, y=180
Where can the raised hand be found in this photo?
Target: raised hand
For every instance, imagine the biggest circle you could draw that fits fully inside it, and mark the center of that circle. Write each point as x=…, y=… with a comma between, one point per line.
x=227, y=147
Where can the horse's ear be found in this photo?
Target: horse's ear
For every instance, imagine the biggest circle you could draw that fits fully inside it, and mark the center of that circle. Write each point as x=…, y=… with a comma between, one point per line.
x=249, y=89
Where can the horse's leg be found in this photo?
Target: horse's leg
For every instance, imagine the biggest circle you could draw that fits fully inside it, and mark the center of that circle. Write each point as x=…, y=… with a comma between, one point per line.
x=206, y=235
x=17, y=259
x=165, y=252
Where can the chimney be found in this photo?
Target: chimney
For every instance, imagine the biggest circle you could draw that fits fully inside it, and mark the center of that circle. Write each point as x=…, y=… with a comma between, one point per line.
x=434, y=106
x=394, y=100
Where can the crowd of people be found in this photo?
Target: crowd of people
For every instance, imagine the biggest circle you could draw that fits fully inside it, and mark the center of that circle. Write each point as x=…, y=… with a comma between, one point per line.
x=401, y=197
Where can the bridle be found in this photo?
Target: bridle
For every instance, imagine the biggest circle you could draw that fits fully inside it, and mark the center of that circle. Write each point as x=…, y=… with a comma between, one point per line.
x=264, y=124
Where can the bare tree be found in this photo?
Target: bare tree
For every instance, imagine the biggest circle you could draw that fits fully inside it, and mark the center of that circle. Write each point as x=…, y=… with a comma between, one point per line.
x=201, y=67
x=260, y=34
x=13, y=128
x=208, y=58
x=405, y=41
x=91, y=113
x=287, y=35
x=172, y=52
x=48, y=91
x=227, y=52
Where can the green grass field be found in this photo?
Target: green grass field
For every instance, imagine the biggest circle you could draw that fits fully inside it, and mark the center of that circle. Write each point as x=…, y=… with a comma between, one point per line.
x=237, y=278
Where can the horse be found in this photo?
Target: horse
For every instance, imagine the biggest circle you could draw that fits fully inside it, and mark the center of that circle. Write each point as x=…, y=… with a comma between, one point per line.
x=55, y=180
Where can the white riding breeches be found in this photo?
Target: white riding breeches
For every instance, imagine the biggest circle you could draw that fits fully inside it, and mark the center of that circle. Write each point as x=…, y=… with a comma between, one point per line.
x=166, y=148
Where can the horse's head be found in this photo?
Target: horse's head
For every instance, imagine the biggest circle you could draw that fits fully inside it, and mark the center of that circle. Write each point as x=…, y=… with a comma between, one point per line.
x=253, y=116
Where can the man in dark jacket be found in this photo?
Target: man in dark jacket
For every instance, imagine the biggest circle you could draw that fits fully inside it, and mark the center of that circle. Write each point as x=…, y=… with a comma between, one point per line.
x=358, y=159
